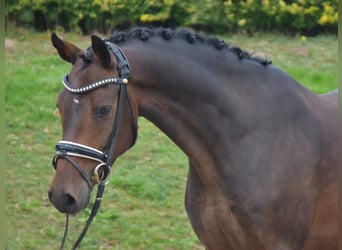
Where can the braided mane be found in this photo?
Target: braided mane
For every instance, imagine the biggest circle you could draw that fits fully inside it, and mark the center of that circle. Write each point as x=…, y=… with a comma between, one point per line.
x=145, y=34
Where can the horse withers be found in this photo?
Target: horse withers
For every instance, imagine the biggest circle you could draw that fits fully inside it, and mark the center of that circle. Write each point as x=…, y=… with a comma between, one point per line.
x=263, y=150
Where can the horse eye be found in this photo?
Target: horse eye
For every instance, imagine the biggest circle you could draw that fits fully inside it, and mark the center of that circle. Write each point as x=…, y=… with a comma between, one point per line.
x=102, y=111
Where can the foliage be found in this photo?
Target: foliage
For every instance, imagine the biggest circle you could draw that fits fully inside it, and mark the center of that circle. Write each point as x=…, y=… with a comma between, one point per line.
x=218, y=16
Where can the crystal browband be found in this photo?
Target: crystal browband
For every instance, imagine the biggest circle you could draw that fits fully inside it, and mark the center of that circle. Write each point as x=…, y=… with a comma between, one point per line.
x=92, y=86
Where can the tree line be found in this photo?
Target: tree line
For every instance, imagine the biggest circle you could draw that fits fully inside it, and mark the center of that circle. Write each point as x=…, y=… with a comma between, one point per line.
x=216, y=16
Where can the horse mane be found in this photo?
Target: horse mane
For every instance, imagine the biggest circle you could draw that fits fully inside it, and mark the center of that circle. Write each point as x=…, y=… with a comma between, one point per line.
x=192, y=37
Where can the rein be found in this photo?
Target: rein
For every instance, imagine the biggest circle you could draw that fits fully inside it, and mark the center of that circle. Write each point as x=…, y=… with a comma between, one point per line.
x=68, y=149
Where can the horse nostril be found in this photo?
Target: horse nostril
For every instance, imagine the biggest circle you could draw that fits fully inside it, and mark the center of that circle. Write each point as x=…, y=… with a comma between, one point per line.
x=70, y=202
x=64, y=202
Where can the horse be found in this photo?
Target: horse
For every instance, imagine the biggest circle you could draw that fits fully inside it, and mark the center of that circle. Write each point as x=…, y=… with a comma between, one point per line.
x=263, y=150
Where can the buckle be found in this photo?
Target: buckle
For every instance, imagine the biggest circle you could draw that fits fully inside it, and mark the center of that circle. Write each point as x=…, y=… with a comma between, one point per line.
x=96, y=178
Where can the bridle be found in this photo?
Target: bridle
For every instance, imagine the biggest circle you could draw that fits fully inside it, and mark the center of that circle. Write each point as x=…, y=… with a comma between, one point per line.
x=68, y=149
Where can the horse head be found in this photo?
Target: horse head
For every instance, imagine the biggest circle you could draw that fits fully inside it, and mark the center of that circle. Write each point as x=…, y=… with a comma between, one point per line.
x=98, y=120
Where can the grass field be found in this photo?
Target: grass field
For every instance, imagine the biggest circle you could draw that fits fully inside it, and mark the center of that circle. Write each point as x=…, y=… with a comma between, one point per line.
x=143, y=204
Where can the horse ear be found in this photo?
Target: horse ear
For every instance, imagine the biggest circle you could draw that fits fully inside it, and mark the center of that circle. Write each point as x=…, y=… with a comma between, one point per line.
x=100, y=50
x=66, y=50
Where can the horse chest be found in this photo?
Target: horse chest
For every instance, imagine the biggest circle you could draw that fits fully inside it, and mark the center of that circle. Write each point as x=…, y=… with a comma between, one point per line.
x=216, y=226
x=211, y=217
x=219, y=226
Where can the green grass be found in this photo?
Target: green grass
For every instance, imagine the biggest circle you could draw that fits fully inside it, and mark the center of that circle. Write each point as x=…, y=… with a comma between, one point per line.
x=143, y=206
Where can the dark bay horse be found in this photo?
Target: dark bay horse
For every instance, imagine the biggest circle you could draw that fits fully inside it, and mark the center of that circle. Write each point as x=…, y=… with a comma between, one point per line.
x=263, y=150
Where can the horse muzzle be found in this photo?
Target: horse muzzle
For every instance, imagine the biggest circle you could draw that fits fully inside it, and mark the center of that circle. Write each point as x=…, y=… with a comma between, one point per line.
x=68, y=192
x=67, y=202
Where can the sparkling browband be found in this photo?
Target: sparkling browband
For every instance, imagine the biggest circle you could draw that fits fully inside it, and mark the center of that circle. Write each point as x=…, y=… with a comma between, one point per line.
x=92, y=86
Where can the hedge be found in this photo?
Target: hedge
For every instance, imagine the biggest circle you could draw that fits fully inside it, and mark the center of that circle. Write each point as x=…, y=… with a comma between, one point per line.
x=219, y=16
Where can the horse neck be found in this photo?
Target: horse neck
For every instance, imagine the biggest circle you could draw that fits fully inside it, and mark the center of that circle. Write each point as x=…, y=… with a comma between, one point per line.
x=188, y=100
x=208, y=101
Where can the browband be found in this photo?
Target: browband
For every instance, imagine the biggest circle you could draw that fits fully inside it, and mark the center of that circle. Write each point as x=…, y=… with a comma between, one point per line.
x=92, y=86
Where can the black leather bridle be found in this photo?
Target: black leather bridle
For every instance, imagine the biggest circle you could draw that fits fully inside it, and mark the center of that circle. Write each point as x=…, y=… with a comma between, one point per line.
x=68, y=150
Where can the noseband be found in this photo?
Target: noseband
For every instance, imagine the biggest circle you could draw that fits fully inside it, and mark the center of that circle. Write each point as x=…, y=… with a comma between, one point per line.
x=68, y=149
